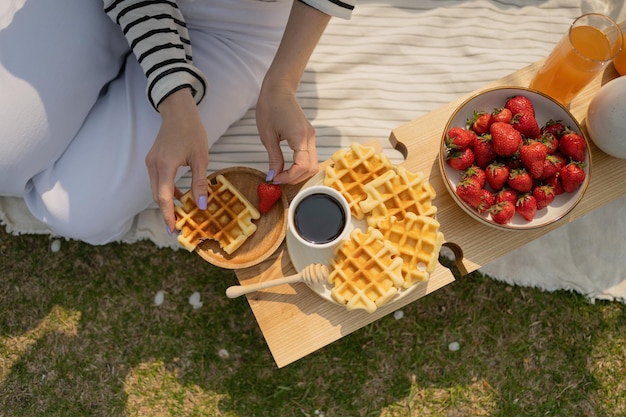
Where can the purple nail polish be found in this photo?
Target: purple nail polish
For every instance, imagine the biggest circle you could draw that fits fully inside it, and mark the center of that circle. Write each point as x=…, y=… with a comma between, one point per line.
x=202, y=202
x=169, y=232
x=270, y=175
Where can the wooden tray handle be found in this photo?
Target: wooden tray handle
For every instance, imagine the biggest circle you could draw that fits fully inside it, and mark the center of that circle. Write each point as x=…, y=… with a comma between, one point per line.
x=458, y=257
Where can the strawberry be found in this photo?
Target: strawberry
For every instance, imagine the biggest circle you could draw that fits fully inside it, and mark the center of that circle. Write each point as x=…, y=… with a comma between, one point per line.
x=459, y=138
x=501, y=114
x=532, y=156
x=544, y=195
x=526, y=206
x=550, y=141
x=527, y=125
x=269, y=194
x=469, y=191
x=503, y=212
x=497, y=174
x=487, y=199
x=573, y=145
x=520, y=105
x=520, y=180
x=506, y=194
x=555, y=183
x=513, y=162
x=552, y=165
x=572, y=176
x=505, y=139
x=553, y=127
x=460, y=159
x=477, y=173
x=483, y=151
x=479, y=123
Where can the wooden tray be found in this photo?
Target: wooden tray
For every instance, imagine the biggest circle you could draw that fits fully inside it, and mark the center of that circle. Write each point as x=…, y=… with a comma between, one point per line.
x=271, y=226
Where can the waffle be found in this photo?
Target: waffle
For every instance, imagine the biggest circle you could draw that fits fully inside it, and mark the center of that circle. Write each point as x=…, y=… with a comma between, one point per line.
x=396, y=193
x=351, y=170
x=418, y=241
x=227, y=219
x=365, y=272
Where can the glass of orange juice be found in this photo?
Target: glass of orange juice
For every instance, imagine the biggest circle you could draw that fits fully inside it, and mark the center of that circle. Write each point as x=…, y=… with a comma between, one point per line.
x=592, y=41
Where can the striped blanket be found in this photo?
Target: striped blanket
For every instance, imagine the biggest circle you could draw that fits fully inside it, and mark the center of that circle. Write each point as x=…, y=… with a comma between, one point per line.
x=392, y=62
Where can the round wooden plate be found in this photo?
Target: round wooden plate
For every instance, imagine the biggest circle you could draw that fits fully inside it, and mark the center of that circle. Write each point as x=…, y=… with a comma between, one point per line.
x=271, y=226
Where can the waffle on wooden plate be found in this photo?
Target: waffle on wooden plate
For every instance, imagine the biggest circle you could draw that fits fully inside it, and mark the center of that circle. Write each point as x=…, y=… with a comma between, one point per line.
x=231, y=233
x=395, y=224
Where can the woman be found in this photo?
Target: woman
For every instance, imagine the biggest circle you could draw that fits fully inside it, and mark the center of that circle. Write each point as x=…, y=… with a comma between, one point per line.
x=78, y=132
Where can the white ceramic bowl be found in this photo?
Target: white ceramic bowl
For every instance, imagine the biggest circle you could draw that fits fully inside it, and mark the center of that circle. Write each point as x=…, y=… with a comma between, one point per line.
x=545, y=109
x=606, y=118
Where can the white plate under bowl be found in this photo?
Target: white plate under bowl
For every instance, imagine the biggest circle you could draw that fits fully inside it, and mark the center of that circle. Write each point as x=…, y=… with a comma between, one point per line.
x=545, y=109
x=302, y=255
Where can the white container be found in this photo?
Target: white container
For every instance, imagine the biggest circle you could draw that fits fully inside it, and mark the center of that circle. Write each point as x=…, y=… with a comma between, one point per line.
x=316, y=219
x=606, y=118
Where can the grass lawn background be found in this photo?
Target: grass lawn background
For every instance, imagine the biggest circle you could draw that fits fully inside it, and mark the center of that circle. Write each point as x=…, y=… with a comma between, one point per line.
x=80, y=335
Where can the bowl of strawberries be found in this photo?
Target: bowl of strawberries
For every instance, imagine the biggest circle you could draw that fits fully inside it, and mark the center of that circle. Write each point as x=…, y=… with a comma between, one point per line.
x=515, y=159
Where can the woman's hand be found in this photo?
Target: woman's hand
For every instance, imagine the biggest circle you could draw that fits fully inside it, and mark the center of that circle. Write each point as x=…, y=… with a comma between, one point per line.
x=181, y=141
x=279, y=116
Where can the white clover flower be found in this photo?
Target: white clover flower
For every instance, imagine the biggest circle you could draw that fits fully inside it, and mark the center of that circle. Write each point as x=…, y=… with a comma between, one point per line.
x=55, y=246
x=454, y=346
x=194, y=300
x=159, y=298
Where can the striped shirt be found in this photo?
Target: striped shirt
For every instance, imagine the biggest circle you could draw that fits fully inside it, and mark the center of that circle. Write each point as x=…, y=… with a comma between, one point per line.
x=157, y=33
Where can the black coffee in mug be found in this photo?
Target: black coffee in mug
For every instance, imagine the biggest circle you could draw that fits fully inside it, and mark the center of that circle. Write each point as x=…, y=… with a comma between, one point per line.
x=319, y=218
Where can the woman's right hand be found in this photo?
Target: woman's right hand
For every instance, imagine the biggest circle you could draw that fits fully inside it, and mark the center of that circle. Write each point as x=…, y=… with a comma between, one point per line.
x=181, y=141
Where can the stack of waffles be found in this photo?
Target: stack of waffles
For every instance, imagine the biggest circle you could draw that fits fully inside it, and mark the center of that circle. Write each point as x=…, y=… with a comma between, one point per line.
x=227, y=219
x=401, y=245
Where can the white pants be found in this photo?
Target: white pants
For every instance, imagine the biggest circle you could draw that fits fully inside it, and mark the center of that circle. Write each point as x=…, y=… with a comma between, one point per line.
x=75, y=151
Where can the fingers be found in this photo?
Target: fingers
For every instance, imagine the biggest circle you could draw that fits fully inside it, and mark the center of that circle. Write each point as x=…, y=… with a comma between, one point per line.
x=199, y=185
x=163, y=192
x=274, y=153
x=305, y=165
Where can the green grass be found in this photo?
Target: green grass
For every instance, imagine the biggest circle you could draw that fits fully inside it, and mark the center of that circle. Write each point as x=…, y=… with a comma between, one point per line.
x=80, y=336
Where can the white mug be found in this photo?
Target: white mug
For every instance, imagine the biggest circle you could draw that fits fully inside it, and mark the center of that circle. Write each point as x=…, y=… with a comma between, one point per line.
x=319, y=217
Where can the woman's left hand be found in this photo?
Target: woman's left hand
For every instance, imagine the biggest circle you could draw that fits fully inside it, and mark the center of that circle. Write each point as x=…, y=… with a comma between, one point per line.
x=280, y=117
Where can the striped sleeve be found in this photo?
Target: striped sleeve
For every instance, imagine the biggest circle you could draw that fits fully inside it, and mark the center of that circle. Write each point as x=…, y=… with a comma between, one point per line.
x=157, y=33
x=337, y=8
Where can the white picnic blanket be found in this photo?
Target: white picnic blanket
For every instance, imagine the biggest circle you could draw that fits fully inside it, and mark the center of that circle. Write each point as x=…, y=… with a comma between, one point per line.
x=396, y=60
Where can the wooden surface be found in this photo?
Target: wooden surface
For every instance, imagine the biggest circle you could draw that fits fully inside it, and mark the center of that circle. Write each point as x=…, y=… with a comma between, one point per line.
x=295, y=321
x=271, y=226
x=421, y=138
